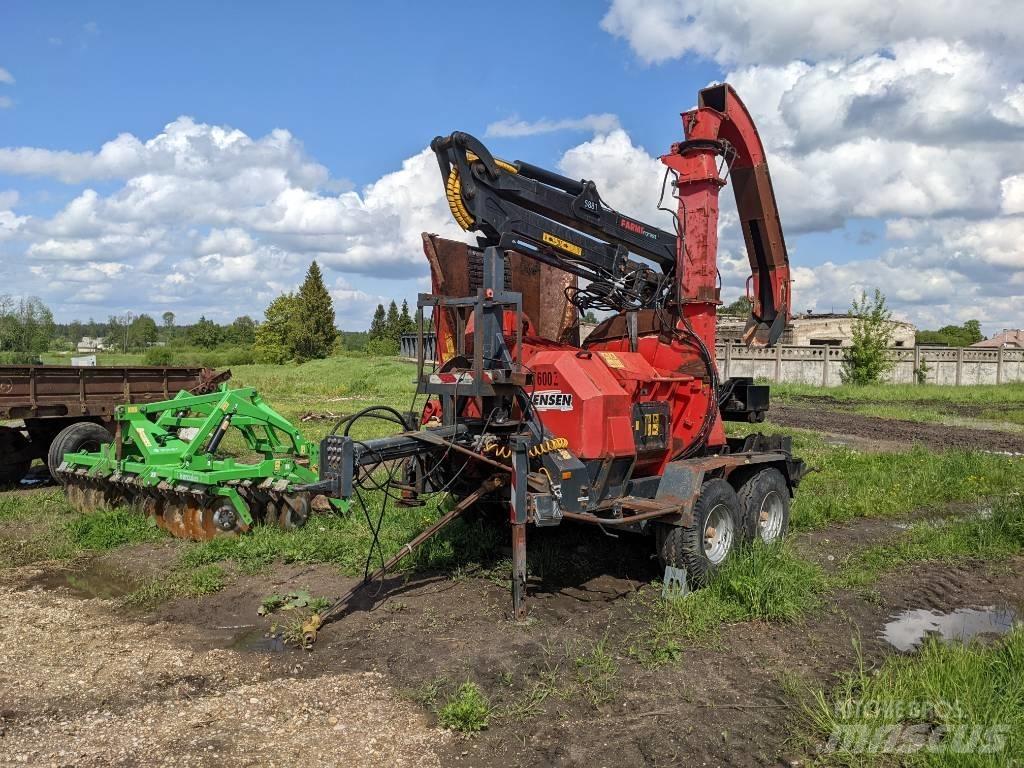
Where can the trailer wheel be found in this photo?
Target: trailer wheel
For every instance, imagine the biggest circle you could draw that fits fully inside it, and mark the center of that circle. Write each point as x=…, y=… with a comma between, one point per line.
x=12, y=441
x=764, y=500
x=80, y=436
x=701, y=548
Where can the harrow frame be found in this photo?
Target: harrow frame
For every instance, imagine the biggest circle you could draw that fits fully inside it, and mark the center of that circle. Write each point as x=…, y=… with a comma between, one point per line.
x=153, y=458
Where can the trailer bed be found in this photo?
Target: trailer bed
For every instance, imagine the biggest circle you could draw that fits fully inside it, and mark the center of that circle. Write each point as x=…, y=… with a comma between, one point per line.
x=49, y=398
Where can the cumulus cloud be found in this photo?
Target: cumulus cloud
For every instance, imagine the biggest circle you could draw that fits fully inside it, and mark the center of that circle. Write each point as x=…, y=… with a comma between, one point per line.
x=911, y=113
x=207, y=216
x=512, y=127
x=763, y=31
x=6, y=77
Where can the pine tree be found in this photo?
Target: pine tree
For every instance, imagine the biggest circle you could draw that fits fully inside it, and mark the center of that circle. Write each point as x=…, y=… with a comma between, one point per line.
x=377, y=324
x=393, y=324
x=408, y=325
x=315, y=332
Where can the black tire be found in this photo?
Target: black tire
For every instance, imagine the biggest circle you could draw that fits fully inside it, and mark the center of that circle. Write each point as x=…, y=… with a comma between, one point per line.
x=80, y=436
x=686, y=546
x=11, y=442
x=764, y=504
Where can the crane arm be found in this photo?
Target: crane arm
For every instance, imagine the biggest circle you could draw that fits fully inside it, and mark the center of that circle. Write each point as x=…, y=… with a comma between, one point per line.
x=558, y=221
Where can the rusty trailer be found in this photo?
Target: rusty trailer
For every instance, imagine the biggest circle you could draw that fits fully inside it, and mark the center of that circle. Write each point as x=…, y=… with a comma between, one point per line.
x=47, y=399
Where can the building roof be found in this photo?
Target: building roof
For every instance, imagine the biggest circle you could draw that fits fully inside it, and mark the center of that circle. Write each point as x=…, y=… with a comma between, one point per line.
x=1009, y=338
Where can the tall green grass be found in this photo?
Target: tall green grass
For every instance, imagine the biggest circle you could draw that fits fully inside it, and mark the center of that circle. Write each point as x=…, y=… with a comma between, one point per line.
x=966, y=702
x=346, y=540
x=852, y=484
x=994, y=536
x=760, y=583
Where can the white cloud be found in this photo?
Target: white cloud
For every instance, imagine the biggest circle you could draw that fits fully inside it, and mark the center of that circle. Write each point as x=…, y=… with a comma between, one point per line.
x=6, y=102
x=628, y=178
x=911, y=113
x=1013, y=194
x=206, y=218
x=6, y=76
x=514, y=128
x=768, y=32
x=185, y=149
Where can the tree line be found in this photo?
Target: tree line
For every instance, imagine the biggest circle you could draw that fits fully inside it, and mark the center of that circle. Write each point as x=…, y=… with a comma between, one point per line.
x=296, y=326
x=387, y=327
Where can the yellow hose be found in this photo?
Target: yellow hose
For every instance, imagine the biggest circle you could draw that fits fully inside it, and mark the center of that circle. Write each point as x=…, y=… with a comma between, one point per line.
x=552, y=444
x=453, y=191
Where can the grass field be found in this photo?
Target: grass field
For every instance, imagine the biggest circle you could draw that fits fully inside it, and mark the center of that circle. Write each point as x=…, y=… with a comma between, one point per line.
x=763, y=584
x=844, y=484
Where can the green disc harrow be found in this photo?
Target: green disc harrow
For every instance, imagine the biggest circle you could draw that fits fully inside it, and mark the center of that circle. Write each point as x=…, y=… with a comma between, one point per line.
x=165, y=460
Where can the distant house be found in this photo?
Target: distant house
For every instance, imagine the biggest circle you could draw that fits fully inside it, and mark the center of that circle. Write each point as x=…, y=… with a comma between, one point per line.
x=90, y=344
x=816, y=330
x=1009, y=339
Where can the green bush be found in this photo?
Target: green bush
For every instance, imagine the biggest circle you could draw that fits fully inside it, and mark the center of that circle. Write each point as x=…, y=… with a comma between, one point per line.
x=18, y=358
x=159, y=356
x=221, y=357
x=382, y=347
x=867, y=357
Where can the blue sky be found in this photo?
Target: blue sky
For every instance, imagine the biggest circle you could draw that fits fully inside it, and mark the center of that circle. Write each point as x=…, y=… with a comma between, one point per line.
x=175, y=216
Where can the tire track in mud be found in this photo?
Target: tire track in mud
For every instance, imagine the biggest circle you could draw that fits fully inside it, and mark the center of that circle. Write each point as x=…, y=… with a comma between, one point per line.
x=887, y=431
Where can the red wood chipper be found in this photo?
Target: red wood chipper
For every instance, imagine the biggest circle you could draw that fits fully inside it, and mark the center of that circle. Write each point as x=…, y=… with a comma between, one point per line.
x=624, y=430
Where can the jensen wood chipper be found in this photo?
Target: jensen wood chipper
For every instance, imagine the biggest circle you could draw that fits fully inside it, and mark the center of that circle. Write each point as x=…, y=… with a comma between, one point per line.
x=523, y=422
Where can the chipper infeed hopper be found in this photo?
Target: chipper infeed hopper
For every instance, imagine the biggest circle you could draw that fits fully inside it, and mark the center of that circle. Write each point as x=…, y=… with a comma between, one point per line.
x=165, y=460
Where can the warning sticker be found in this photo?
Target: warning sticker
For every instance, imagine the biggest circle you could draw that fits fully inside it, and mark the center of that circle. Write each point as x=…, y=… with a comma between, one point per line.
x=611, y=360
x=561, y=244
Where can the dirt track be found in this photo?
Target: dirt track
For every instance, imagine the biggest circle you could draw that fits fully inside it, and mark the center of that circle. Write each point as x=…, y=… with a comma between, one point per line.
x=88, y=685
x=890, y=432
x=84, y=685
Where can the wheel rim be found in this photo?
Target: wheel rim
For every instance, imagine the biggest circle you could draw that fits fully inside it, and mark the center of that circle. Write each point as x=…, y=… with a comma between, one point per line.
x=771, y=517
x=718, y=534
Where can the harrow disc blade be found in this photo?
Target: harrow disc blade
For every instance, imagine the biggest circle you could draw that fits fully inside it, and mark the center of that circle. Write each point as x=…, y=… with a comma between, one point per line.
x=75, y=495
x=293, y=511
x=152, y=506
x=193, y=519
x=174, y=518
x=220, y=519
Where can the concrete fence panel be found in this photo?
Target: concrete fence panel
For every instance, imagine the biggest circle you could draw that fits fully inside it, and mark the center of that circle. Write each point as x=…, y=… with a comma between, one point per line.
x=822, y=366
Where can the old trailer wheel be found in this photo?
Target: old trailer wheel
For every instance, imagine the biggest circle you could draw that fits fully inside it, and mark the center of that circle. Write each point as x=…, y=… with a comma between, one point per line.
x=764, y=498
x=80, y=436
x=11, y=442
x=702, y=548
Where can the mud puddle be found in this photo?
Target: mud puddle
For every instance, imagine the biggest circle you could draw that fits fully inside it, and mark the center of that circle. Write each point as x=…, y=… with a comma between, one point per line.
x=37, y=477
x=257, y=640
x=907, y=630
x=90, y=579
